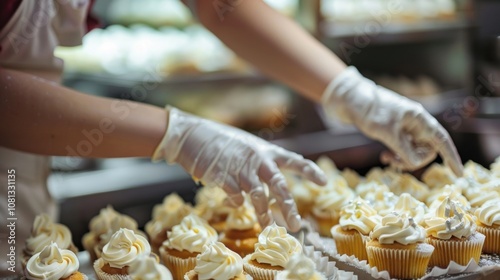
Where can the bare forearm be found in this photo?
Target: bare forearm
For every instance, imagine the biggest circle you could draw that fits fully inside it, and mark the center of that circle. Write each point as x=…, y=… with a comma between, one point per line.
x=273, y=43
x=45, y=118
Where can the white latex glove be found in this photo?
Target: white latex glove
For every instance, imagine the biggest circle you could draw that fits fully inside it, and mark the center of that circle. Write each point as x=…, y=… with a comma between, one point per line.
x=227, y=157
x=412, y=134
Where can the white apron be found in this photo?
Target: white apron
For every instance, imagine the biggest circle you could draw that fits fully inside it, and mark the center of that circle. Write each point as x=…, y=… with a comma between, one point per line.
x=28, y=41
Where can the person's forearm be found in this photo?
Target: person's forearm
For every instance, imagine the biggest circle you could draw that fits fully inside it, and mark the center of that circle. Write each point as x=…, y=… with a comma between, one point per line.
x=276, y=45
x=42, y=117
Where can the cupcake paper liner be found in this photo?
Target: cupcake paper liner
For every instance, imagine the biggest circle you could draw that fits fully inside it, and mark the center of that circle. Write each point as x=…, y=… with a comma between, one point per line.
x=258, y=273
x=492, y=239
x=460, y=252
x=350, y=244
x=401, y=263
x=101, y=275
x=177, y=266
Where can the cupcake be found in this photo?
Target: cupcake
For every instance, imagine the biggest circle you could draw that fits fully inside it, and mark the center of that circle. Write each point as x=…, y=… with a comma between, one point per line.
x=452, y=231
x=379, y=196
x=328, y=203
x=164, y=217
x=52, y=263
x=217, y=262
x=453, y=191
x=357, y=220
x=184, y=243
x=409, y=205
x=352, y=177
x=398, y=245
x=477, y=172
x=382, y=176
x=406, y=183
x=271, y=254
x=367, y=188
x=43, y=233
x=242, y=230
x=438, y=176
x=123, y=249
x=488, y=223
x=100, y=225
x=300, y=267
x=495, y=168
x=209, y=205
x=148, y=268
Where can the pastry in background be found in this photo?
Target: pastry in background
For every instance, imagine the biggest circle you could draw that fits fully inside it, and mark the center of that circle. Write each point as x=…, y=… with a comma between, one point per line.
x=119, y=253
x=101, y=225
x=382, y=176
x=242, y=230
x=164, y=216
x=352, y=177
x=272, y=253
x=438, y=175
x=44, y=232
x=146, y=267
x=382, y=201
x=54, y=263
x=328, y=203
x=209, y=205
x=495, y=167
x=369, y=187
x=407, y=183
x=217, y=262
x=300, y=267
x=488, y=223
x=477, y=195
x=398, y=245
x=477, y=172
x=452, y=232
x=357, y=220
x=185, y=242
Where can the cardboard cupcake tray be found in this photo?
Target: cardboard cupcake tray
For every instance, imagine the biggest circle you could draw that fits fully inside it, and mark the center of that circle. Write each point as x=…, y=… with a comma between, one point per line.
x=488, y=267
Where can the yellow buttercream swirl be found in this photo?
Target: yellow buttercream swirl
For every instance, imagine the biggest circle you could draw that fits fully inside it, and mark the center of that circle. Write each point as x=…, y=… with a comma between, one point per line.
x=359, y=215
x=477, y=172
x=489, y=213
x=168, y=214
x=44, y=232
x=218, y=262
x=438, y=175
x=454, y=192
x=275, y=246
x=124, y=247
x=397, y=228
x=242, y=218
x=210, y=203
x=190, y=235
x=147, y=268
x=332, y=197
x=52, y=263
x=300, y=267
x=107, y=216
x=449, y=220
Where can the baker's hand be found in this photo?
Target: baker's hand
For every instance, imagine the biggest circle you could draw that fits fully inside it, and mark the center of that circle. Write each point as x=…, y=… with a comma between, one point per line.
x=412, y=134
x=227, y=157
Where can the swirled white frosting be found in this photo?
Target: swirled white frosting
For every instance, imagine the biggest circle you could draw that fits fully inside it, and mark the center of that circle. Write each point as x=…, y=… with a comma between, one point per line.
x=451, y=191
x=366, y=188
x=406, y=183
x=495, y=167
x=382, y=201
x=168, y=214
x=438, y=175
x=210, y=203
x=359, y=215
x=397, y=228
x=300, y=267
x=352, y=177
x=331, y=198
x=242, y=218
x=107, y=216
x=44, y=232
x=52, y=263
x=409, y=205
x=275, y=246
x=489, y=213
x=382, y=176
x=477, y=172
x=449, y=220
x=147, y=268
x=190, y=235
x=218, y=262
x=124, y=247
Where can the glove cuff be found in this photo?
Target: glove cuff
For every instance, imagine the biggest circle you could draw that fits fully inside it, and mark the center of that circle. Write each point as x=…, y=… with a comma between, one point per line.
x=335, y=98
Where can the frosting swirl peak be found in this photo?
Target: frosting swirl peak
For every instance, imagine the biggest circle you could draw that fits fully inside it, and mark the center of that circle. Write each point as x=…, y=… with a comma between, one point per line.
x=124, y=247
x=398, y=228
x=52, y=263
x=448, y=220
x=191, y=234
x=275, y=246
x=359, y=215
x=218, y=263
x=44, y=232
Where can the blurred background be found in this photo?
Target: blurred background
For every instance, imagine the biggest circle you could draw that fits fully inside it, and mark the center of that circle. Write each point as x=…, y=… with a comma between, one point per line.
x=442, y=53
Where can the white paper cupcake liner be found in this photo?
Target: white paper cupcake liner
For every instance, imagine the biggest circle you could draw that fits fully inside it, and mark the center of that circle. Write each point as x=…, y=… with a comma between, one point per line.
x=177, y=266
x=101, y=275
x=258, y=273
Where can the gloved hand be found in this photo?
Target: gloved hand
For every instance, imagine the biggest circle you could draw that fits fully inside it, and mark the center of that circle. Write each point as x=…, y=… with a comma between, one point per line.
x=412, y=134
x=227, y=157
